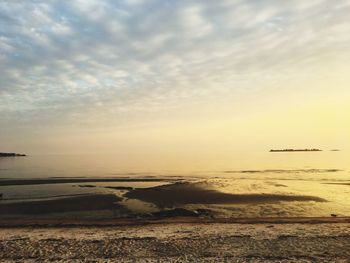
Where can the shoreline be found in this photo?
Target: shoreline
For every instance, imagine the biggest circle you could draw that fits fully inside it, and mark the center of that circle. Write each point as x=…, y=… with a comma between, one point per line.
x=48, y=222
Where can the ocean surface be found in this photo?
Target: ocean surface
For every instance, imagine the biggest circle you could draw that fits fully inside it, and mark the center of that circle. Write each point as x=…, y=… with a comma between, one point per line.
x=290, y=184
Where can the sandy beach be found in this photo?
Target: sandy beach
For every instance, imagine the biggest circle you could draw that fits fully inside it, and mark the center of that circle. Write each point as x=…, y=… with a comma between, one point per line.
x=176, y=241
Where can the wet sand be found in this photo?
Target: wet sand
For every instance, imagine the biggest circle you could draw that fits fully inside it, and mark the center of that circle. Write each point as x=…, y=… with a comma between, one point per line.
x=132, y=221
x=338, y=183
x=11, y=182
x=286, y=171
x=169, y=196
x=62, y=205
x=179, y=242
x=191, y=193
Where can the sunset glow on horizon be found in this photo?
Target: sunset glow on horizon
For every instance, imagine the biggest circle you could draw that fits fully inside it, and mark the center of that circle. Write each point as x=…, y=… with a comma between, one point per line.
x=174, y=79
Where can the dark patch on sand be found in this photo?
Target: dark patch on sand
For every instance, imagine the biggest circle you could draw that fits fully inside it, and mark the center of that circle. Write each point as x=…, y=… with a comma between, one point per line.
x=120, y=187
x=338, y=183
x=178, y=212
x=12, y=154
x=65, y=177
x=278, y=185
x=189, y=193
x=69, y=204
x=87, y=185
x=45, y=197
x=174, y=213
x=287, y=171
x=76, y=180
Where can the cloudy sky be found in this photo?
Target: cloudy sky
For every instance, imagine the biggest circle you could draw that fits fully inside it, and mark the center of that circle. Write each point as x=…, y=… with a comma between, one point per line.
x=173, y=77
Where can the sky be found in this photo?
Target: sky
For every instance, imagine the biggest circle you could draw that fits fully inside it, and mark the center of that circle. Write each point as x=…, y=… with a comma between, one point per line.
x=173, y=78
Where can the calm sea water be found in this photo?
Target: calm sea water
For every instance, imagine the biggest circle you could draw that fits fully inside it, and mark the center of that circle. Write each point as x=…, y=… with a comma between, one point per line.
x=320, y=174
x=44, y=166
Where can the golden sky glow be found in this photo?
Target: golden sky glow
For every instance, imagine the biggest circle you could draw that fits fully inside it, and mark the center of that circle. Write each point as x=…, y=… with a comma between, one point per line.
x=174, y=78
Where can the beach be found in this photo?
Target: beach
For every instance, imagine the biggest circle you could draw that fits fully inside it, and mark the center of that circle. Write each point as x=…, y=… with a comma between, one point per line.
x=290, y=214
x=178, y=240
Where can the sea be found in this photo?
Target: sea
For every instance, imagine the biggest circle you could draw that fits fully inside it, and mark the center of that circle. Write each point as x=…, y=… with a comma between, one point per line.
x=265, y=184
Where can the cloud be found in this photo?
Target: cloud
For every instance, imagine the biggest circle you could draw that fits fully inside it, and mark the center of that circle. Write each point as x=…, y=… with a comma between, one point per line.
x=63, y=59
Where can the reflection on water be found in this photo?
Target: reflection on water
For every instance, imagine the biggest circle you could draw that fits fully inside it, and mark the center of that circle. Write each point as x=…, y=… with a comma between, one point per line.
x=284, y=184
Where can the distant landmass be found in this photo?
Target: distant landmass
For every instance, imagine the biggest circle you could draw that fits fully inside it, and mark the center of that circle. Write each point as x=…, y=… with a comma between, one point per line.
x=11, y=154
x=297, y=150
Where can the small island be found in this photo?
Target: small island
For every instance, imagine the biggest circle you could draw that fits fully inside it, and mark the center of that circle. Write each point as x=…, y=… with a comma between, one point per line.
x=11, y=154
x=297, y=150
